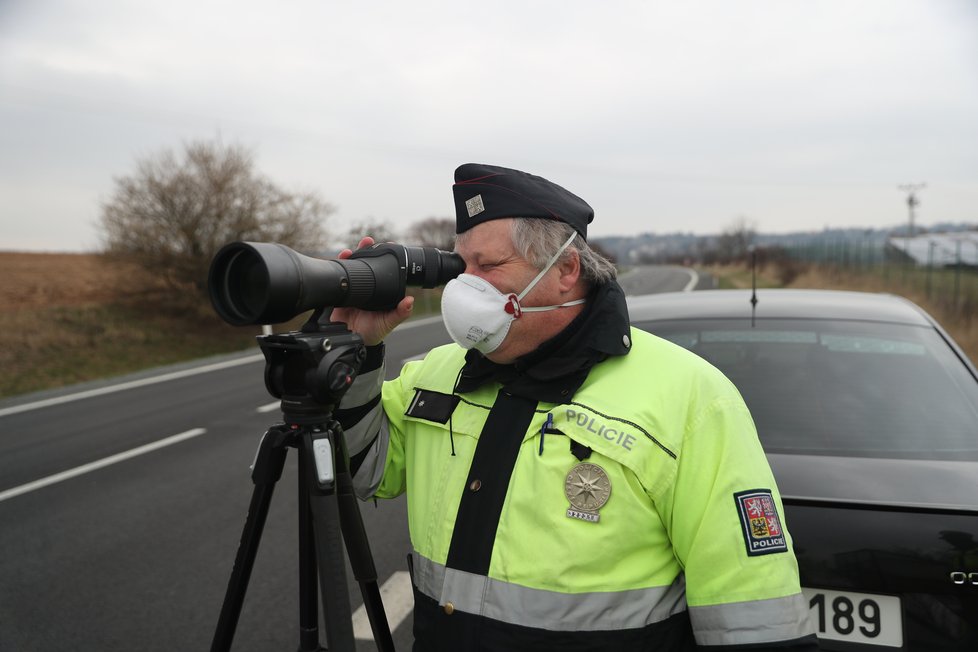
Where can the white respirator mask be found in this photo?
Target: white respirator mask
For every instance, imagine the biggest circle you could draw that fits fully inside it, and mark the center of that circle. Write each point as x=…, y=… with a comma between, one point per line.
x=478, y=316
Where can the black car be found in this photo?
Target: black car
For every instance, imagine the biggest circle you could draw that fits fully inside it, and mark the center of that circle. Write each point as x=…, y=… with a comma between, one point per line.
x=868, y=412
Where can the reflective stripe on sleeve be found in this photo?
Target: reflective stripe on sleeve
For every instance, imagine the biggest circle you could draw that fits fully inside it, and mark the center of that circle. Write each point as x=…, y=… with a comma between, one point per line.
x=369, y=436
x=552, y=610
x=360, y=434
x=365, y=386
x=371, y=471
x=752, y=622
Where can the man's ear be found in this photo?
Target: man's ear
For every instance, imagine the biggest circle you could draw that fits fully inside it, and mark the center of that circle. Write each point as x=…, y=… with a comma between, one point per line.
x=570, y=270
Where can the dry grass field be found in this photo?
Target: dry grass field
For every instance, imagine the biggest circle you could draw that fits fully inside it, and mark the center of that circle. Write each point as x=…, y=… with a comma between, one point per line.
x=68, y=318
x=31, y=281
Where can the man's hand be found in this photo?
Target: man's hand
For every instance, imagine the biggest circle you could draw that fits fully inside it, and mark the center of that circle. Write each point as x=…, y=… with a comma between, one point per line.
x=373, y=326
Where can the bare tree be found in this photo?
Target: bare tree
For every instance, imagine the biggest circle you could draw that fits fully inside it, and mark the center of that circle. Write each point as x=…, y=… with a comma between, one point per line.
x=433, y=232
x=173, y=214
x=379, y=230
x=735, y=241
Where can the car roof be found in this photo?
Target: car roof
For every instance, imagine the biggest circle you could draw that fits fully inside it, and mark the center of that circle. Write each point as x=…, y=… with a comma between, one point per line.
x=777, y=304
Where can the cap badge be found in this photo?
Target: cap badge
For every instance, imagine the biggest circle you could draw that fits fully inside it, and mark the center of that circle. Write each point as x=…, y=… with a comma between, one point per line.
x=475, y=206
x=587, y=488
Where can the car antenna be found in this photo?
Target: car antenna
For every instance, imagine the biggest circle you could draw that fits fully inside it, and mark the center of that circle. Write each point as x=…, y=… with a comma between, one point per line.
x=753, y=283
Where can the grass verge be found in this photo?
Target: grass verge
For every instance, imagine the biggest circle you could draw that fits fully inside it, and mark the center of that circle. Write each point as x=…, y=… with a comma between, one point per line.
x=44, y=348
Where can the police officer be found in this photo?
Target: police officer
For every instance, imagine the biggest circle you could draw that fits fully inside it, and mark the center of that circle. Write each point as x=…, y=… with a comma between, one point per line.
x=572, y=483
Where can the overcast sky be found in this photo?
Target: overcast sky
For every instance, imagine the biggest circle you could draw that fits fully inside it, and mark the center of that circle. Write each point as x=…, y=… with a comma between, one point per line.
x=664, y=116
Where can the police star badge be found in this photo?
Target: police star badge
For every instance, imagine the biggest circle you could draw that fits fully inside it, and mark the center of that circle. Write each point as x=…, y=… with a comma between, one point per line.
x=587, y=488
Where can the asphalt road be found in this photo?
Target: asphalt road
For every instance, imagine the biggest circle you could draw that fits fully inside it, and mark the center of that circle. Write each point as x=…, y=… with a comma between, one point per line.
x=122, y=505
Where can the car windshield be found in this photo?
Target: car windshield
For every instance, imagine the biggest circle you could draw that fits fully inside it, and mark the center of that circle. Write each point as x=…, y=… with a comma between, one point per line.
x=829, y=387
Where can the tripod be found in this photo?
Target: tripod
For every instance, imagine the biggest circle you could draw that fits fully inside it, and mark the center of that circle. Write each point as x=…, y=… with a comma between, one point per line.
x=309, y=371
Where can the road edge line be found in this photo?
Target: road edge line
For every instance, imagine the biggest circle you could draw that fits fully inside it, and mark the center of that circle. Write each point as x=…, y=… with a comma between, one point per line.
x=99, y=464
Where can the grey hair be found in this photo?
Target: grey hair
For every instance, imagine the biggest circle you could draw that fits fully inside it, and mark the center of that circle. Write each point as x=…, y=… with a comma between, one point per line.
x=539, y=239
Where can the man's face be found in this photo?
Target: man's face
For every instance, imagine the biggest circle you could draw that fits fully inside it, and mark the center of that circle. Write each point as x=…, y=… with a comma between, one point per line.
x=489, y=254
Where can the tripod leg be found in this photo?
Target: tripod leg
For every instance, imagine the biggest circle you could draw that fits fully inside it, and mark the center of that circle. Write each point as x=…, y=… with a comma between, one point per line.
x=363, y=569
x=308, y=587
x=358, y=546
x=362, y=562
x=329, y=552
x=268, y=469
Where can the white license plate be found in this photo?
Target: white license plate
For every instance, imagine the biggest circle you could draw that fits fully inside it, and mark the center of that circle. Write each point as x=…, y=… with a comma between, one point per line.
x=856, y=617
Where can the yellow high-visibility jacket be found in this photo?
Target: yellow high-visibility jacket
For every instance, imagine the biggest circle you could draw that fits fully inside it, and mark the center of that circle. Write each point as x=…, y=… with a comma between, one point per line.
x=638, y=513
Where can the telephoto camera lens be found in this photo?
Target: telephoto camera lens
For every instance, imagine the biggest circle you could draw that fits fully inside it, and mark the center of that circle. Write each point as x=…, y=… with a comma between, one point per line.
x=268, y=283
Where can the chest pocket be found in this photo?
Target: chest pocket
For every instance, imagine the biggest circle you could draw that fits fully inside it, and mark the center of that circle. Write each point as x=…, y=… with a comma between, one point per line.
x=432, y=406
x=463, y=416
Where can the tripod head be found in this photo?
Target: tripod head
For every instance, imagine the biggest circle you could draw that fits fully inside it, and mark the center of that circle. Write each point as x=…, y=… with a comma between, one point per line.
x=311, y=369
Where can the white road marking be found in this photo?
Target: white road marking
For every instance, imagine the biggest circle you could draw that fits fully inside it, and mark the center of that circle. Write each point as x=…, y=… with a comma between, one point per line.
x=398, y=600
x=129, y=385
x=694, y=278
x=99, y=464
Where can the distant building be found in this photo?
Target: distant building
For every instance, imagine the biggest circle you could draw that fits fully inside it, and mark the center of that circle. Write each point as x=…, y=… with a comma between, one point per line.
x=939, y=249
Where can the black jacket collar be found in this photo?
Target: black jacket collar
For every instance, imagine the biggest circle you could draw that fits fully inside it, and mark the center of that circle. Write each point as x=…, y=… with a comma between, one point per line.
x=556, y=370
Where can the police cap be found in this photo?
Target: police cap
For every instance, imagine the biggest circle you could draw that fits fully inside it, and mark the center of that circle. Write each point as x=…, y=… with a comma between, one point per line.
x=488, y=192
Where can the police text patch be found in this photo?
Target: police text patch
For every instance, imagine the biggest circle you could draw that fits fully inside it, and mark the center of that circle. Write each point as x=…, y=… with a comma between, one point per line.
x=759, y=519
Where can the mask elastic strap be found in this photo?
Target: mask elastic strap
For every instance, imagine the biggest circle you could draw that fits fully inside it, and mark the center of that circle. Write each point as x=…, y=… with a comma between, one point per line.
x=546, y=269
x=576, y=302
